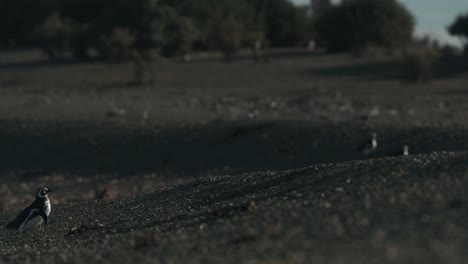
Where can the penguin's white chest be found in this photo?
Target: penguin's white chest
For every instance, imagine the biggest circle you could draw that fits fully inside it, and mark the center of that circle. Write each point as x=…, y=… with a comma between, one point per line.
x=47, y=207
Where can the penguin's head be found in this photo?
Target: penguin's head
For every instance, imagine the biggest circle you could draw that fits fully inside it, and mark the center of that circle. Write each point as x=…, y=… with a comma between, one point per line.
x=42, y=192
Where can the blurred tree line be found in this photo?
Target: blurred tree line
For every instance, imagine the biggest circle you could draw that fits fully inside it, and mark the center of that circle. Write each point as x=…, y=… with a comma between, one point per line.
x=135, y=29
x=120, y=29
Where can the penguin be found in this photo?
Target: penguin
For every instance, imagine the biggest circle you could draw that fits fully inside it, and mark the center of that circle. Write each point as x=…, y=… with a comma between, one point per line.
x=405, y=150
x=35, y=214
x=370, y=146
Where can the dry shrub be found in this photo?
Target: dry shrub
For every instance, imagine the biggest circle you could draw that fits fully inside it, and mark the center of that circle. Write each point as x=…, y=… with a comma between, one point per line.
x=118, y=45
x=452, y=60
x=417, y=64
x=448, y=51
x=55, y=35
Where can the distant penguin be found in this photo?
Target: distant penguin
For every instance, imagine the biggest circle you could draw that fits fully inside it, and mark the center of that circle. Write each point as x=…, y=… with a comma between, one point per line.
x=405, y=150
x=370, y=146
x=35, y=214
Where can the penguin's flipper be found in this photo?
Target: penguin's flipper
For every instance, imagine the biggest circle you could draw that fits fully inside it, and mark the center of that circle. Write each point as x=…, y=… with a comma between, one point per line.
x=44, y=217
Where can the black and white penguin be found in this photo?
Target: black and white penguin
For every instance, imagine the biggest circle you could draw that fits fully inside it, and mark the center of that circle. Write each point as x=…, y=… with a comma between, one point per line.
x=405, y=150
x=35, y=214
x=370, y=146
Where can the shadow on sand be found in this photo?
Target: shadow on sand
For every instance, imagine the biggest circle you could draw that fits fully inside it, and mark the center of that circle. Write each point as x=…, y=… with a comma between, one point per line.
x=83, y=148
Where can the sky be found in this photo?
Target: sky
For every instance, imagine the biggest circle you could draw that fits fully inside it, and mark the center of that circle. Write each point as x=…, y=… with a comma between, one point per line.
x=432, y=16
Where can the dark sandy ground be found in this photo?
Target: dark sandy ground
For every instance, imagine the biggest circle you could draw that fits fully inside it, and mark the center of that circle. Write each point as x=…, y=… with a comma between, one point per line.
x=223, y=163
x=390, y=210
x=86, y=161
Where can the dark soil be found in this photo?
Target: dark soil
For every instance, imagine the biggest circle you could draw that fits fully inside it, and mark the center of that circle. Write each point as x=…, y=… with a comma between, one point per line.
x=224, y=163
x=390, y=210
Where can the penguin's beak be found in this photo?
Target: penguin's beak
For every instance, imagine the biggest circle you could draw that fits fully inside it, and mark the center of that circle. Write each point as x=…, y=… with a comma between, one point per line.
x=49, y=191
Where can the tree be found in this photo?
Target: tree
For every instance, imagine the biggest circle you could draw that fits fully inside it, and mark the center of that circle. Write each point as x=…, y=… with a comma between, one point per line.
x=459, y=27
x=278, y=21
x=116, y=30
x=227, y=36
x=106, y=29
x=287, y=25
x=55, y=35
x=355, y=25
x=19, y=18
x=178, y=31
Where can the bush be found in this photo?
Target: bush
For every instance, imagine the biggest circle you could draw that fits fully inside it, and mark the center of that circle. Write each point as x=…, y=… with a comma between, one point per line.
x=178, y=33
x=278, y=21
x=119, y=45
x=119, y=30
x=287, y=25
x=227, y=37
x=417, y=64
x=55, y=35
x=359, y=24
x=19, y=18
